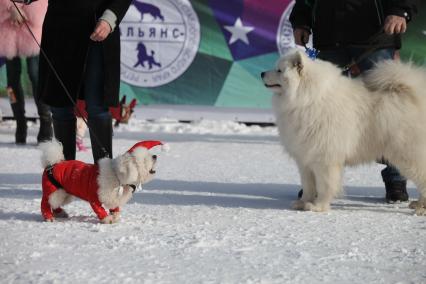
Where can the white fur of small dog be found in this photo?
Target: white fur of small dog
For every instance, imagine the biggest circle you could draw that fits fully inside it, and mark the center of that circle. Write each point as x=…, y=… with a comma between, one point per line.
x=327, y=120
x=134, y=168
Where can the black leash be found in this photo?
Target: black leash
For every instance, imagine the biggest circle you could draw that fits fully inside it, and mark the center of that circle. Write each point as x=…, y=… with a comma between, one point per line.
x=60, y=80
x=49, y=171
x=366, y=53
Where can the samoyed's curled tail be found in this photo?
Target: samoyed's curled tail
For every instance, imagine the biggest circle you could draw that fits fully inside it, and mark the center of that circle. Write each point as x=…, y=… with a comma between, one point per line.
x=51, y=153
x=393, y=76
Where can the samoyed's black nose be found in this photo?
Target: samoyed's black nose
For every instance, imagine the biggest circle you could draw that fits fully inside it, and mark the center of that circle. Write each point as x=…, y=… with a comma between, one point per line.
x=154, y=157
x=262, y=74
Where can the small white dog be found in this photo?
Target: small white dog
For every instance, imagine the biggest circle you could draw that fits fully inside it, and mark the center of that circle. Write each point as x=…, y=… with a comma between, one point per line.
x=327, y=120
x=111, y=183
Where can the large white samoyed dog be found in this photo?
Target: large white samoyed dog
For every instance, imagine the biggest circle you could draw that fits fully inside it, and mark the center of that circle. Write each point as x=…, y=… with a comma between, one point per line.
x=327, y=120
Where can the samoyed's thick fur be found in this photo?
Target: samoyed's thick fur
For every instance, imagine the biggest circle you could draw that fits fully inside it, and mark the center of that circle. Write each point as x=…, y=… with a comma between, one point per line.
x=327, y=120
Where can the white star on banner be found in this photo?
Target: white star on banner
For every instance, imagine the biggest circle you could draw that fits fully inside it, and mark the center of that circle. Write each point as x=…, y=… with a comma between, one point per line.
x=238, y=32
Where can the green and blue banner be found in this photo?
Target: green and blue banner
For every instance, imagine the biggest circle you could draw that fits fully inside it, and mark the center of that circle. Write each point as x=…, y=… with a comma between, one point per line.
x=205, y=52
x=211, y=52
x=223, y=46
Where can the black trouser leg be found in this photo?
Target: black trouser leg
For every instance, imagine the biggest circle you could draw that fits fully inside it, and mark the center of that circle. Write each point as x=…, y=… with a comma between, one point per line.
x=102, y=143
x=21, y=123
x=65, y=133
x=16, y=97
x=45, y=132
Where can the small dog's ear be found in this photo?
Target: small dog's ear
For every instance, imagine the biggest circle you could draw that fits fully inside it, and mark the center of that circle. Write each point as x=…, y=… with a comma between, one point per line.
x=297, y=61
x=120, y=166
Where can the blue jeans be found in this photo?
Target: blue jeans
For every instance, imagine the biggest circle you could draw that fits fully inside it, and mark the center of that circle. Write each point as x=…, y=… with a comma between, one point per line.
x=93, y=84
x=343, y=57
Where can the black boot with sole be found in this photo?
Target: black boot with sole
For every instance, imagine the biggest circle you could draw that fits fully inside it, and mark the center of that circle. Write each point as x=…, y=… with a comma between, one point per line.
x=21, y=123
x=102, y=143
x=65, y=132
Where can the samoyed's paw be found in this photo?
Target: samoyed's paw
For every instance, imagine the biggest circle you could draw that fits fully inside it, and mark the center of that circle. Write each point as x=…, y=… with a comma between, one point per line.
x=316, y=207
x=419, y=206
x=420, y=211
x=414, y=205
x=298, y=205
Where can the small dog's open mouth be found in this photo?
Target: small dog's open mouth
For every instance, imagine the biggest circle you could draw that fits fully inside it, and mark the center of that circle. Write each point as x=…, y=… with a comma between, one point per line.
x=133, y=187
x=273, y=86
x=154, y=158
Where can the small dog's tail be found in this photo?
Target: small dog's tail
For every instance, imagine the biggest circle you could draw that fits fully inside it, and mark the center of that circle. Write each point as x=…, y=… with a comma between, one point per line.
x=51, y=153
x=392, y=76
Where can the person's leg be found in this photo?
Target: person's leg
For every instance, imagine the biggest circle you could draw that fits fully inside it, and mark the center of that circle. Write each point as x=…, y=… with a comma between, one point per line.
x=372, y=58
x=395, y=183
x=64, y=125
x=45, y=132
x=99, y=118
x=16, y=97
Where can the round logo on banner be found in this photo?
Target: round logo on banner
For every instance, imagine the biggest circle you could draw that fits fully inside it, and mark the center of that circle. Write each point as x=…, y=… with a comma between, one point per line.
x=285, y=39
x=159, y=41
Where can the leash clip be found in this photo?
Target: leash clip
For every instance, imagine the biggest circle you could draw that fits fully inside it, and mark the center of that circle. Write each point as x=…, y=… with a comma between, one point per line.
x=312, y=53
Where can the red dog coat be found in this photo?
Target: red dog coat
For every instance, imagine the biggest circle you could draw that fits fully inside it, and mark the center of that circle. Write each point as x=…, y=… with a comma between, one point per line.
x=76, y=178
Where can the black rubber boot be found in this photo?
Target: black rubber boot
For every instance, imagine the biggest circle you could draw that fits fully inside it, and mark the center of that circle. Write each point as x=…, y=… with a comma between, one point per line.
x=21, y=123
x=45, y=132
x=16, y=98
x=65, y=132
x=102, y=143
x=395, y=184
x=396, y=191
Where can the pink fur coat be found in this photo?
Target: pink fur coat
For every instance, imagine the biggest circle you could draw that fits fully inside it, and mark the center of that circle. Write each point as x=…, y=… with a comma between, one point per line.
x=16, y=40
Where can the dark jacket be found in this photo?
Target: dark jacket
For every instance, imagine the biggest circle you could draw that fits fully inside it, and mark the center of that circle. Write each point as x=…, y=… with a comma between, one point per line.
x=66, y=38
x=336, y=23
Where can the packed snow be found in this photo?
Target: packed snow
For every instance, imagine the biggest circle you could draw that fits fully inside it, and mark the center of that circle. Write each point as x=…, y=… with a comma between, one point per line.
x=218, y=211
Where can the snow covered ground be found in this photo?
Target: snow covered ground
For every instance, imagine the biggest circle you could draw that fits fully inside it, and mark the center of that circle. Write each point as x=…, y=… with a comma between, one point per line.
x=217, y=212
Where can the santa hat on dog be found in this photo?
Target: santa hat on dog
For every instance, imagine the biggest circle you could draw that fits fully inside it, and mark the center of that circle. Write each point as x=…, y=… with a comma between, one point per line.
x=148, y=145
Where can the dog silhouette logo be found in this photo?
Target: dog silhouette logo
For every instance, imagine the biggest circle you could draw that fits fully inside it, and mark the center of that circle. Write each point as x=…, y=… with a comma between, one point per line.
x=150, y=9
x=144, y=57
x=159, y=41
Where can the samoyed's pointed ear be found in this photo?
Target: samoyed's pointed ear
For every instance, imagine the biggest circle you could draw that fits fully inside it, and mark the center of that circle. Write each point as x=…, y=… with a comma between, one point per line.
x=298, y=60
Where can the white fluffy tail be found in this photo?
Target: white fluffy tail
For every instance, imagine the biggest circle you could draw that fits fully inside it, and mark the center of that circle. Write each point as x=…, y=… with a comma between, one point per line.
x=51, y=153
x=393, y=77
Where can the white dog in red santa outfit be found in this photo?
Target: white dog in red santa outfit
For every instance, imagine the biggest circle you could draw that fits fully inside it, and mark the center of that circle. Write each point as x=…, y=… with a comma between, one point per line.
x=110, y=183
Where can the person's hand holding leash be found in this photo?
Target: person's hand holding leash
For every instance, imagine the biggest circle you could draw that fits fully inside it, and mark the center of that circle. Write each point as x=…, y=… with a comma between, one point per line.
x=15, y=16
x=301, y=36
x=102, y=30
x=395, y=25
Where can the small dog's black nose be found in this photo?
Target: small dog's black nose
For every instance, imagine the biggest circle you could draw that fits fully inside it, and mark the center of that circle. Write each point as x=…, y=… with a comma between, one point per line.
x=154, y=157
x=262, y=74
